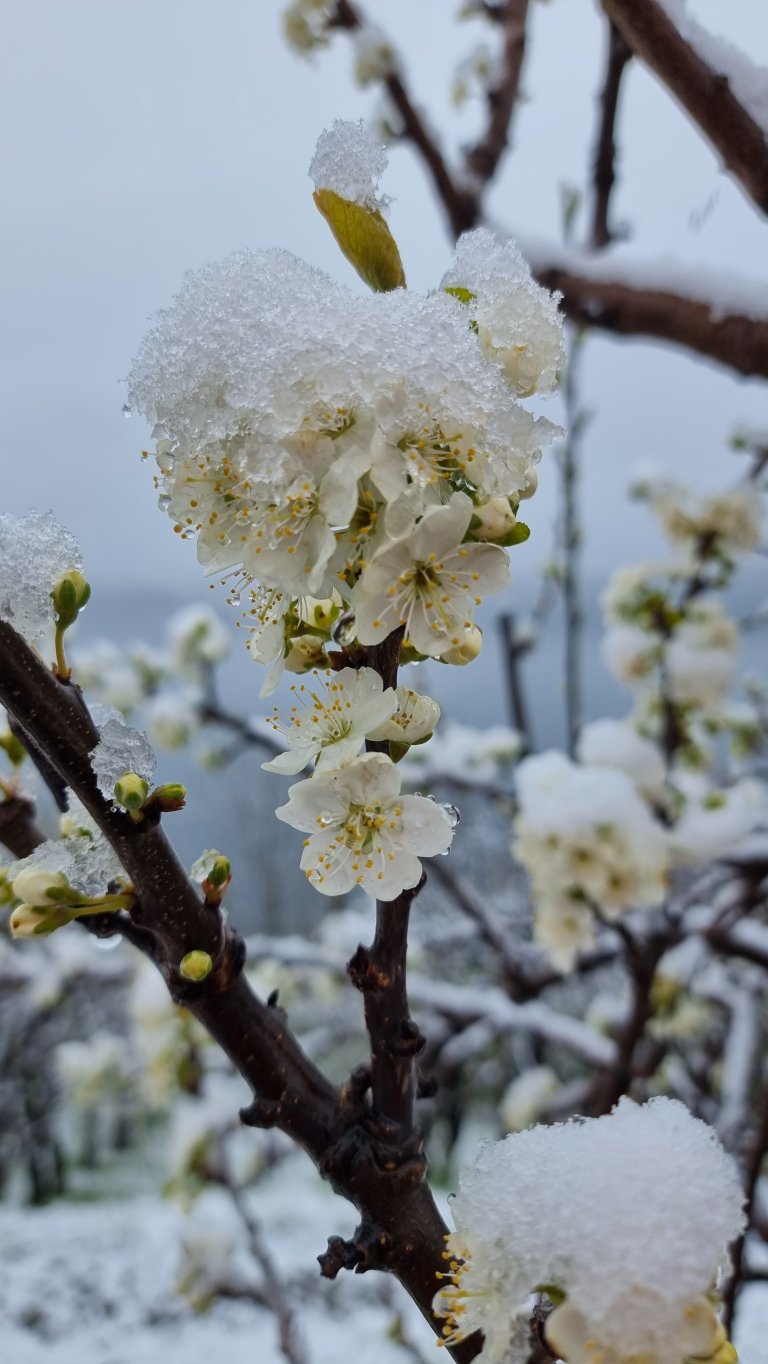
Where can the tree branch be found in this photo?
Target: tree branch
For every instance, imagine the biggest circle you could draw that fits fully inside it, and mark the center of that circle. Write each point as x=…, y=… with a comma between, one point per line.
x=482, y=160
x=704, y=92
x=723, y=334
x=604, y=166
x=401, y=1230
x=460, y=204
x=18, y=828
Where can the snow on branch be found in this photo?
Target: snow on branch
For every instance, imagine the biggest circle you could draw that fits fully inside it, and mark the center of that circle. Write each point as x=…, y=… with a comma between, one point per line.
x=717, y=313
x=725, y=95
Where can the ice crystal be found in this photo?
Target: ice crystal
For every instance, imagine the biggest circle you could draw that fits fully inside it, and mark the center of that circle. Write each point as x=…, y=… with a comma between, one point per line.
x=349, y=161
x=35, y=552
x=120, y=749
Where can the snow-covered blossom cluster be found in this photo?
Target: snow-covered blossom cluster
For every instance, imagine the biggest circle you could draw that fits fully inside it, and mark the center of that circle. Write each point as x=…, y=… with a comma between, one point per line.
x=355, y=465
x=622, y=1221
x=589, y=843
x=604, y=834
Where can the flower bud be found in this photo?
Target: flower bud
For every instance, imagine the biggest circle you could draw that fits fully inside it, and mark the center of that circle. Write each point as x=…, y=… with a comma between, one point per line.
x=171, y=796
x=306, y=652
x=30, y=921
x=532, y=483
x=467, y=649
x=363, y=236
x=42, y=888
x=131, y=791
x=212, y=867
x=493, y=520
x=70, y=595
x=321, y=613
x=196, y=965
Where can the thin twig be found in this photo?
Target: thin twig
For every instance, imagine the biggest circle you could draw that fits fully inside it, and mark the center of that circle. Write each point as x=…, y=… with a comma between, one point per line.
x=483, y=159
x=604, y=165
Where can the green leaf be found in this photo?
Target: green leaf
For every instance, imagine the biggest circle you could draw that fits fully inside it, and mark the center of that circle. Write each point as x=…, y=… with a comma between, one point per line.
x=365, y=239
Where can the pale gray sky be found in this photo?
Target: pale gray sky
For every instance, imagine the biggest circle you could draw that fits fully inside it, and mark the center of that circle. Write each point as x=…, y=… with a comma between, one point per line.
x=144, y=137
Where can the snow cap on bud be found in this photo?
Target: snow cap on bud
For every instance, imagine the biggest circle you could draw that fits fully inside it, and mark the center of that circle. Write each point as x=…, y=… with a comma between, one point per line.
x=70, y=594
x=346, y=168
x=31, y=921
x=131, y=791
x=467, y=650
x=196, y=965
x=40, y=888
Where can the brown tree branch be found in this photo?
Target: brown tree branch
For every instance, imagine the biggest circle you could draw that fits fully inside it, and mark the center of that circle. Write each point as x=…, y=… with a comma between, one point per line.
x=604, y=165
x=401, y=1230
x=727, y=336
x=18, y=829
x=482, y=160
x=704, y=93
x=754, y=1157
x=460, y=204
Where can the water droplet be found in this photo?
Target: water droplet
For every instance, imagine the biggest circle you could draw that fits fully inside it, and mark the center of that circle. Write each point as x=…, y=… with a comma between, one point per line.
x=454, y=814
x=164, y=501
x=108, y=944
x=325, y=820
x=444, y=853
x=343, y=631
x=127, y=411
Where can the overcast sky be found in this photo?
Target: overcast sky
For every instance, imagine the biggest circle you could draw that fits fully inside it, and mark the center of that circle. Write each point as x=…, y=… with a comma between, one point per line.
x=144, y=137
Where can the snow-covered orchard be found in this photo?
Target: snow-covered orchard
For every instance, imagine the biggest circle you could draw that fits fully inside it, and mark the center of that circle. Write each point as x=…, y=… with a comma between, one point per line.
x=512, y=1069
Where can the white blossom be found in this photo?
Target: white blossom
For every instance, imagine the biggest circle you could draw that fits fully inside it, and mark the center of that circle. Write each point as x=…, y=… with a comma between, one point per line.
x=615, y=744
x=330, y=718
x=586, y=838
x=414, y=720
x=362, y=831
x=730, y=520
x=197, y=639
x=518, y=323
x=429, y=582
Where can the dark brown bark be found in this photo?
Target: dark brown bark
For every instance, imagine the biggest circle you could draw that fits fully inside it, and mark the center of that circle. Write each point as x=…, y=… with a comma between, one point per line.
x=739, y=342
x=604, y=167
x=482, y=160
x=702, y=92
x=356, y=1148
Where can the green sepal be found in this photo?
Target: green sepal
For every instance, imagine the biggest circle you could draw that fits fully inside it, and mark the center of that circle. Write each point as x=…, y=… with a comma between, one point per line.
x=517, y=536
x=458, y=291
x=364, y=238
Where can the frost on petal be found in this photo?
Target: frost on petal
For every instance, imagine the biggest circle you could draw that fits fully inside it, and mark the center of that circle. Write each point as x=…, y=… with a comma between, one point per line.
x=518, y=322
x=35, y=552
x=350, y=161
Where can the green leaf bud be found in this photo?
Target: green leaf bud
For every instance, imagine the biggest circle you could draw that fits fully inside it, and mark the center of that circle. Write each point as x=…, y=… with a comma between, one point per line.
x=364, y=238
x=196, y=965
x=131, y=791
